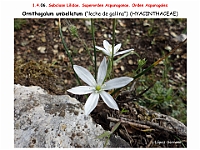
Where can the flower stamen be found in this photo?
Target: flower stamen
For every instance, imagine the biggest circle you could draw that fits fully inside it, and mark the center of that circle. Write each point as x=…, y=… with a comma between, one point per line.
x=98, y=87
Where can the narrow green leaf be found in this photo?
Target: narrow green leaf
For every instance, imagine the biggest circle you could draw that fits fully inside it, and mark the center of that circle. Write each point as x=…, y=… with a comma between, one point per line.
x=115, y=127
x=123, y=56
x=105, y=134
x=67, y=51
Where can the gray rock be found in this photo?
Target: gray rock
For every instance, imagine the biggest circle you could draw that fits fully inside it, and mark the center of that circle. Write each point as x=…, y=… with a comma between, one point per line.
x=50, y=121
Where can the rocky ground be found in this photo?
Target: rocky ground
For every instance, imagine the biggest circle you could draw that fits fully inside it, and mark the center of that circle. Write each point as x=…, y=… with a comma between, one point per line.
x=40, y=59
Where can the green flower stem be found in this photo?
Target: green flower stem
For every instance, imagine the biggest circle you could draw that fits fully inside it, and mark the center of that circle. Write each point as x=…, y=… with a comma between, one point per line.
x=95, y=54
x=66, y=49
x=113, y=43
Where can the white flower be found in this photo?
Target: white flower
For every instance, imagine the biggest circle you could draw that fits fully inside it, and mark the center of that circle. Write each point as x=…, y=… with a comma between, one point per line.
x=108, y=49
x=98, y=87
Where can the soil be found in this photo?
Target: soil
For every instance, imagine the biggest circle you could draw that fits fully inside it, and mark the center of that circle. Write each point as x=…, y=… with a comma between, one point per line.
x=40, y=60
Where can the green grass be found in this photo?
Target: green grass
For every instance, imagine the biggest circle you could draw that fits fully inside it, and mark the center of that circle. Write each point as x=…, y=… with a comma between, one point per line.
x=162, y=97
x=18, y=23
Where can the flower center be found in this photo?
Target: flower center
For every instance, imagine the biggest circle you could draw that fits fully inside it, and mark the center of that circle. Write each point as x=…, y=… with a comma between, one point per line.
x=98, y=87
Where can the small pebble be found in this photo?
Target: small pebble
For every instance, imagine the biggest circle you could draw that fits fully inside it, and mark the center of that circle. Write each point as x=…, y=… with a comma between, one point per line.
x=87, y=22
x=105, y=35
x=173, y=34
x=64, y=29
x=130, y=62
x=122, y=68
x=117, y=31
x=65, y=81
x=168, y=48
x=55, y=51
x=56, y=23
x=31, y=36
x=121, y=23
x=80, y=50
x=41, y=49
x=43, y=39
x=55, y=46
x=137, y=34
x=61, y=56
x=98, y=63
x=117, y=71
x=146, y=24
x=166, y=34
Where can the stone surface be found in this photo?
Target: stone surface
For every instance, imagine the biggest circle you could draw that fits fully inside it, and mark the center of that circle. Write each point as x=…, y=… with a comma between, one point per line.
x=49, y=121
